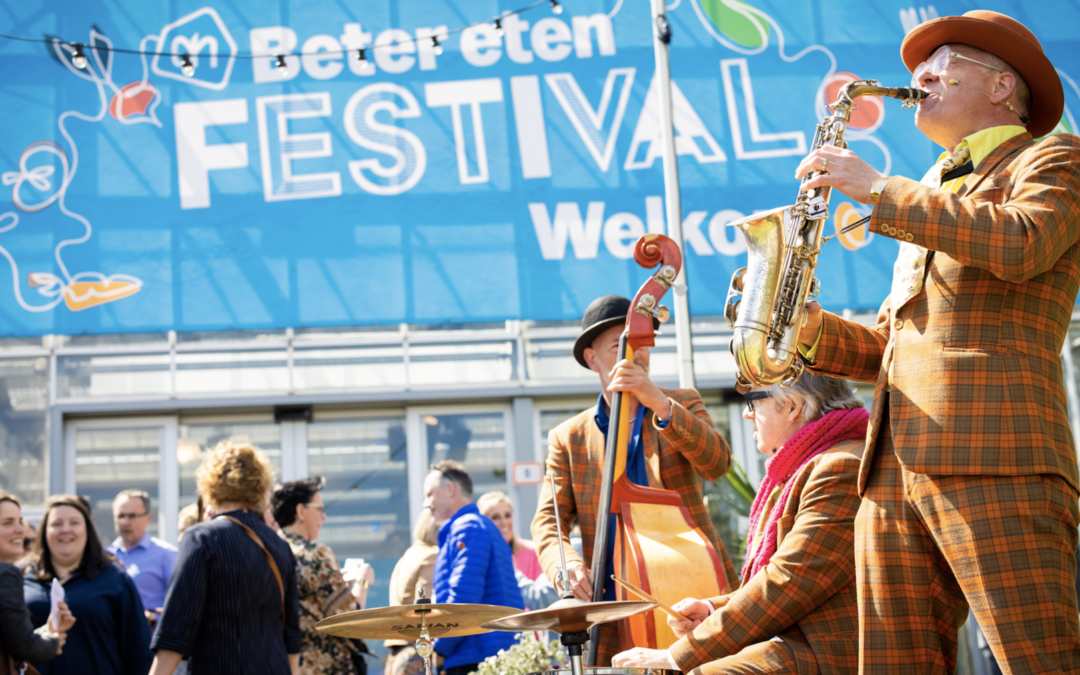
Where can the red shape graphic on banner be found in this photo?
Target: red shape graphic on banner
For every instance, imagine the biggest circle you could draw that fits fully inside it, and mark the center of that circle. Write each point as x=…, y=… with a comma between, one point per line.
x=134, y=100
x=870, y=110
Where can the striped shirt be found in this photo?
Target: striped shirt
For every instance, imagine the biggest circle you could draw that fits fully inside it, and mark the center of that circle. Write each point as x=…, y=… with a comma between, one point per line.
x=223, y=608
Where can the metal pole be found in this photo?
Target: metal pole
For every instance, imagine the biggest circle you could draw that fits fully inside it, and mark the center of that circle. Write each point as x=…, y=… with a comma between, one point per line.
x=661, y=38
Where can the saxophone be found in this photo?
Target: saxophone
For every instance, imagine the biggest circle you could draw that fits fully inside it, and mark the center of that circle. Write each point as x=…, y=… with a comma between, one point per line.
x=766, y=303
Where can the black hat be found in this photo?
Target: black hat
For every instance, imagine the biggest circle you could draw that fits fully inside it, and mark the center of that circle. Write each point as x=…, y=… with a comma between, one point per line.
x=600, y=315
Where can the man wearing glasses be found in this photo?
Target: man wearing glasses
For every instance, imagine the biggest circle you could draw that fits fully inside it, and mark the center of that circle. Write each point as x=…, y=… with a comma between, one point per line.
x=149, y=561
x=969, y=480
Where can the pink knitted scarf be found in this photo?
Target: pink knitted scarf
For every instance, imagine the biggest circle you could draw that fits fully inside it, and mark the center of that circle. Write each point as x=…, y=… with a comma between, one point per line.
x=810, y=441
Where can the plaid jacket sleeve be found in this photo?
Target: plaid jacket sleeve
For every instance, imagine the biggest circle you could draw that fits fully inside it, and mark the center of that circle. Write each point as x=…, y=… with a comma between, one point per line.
x=544, y=530
x=814, y=561
x=691, y=433
x=1015, y=239
x=851, y=350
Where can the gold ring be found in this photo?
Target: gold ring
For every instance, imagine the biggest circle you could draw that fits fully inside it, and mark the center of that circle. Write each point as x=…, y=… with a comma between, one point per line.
x=824, y=163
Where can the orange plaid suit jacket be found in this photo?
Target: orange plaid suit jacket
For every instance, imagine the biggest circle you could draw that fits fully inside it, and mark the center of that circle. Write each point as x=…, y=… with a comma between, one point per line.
x=806, y=594
x=677, y=458
x=977, y=385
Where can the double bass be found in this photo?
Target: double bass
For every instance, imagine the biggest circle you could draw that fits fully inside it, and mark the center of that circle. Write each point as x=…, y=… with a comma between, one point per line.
x=658, y=548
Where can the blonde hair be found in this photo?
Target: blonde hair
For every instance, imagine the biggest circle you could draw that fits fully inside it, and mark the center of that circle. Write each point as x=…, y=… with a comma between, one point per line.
x=234, y=471
x=189, y=515
x=426, y=532
x=490, y=499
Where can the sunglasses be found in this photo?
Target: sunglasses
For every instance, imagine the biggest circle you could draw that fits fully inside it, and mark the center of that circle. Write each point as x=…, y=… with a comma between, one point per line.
x=752, y=396
x=940, y=60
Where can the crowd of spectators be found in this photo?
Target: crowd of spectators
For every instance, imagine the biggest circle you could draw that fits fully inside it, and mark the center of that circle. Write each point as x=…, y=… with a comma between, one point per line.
x=249, y=579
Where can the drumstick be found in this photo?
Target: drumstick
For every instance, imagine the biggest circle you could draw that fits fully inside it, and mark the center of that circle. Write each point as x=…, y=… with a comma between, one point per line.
x=645, y=596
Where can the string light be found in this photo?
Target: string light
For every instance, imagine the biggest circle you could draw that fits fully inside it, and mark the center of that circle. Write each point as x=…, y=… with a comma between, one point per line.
x=79, y=58
x=280, y=65
x=187, y=67
x=435, y=46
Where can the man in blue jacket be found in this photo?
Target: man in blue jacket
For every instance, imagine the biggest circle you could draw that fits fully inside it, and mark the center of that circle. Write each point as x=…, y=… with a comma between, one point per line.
x=474, y=565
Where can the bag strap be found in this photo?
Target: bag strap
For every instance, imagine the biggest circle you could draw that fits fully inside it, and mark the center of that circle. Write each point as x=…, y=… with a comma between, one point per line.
x=269, y=558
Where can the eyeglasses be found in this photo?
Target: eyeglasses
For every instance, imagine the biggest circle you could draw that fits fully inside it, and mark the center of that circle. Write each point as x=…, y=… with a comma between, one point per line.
x=752, y=396
x=130, y=516
x=315, y=506
x=939, y=61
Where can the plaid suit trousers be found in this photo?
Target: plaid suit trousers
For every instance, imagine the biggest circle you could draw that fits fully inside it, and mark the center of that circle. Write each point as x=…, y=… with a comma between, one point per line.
x=927, y=546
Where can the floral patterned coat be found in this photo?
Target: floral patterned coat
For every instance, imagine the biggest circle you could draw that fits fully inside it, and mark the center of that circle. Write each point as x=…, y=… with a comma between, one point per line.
x=323, y=592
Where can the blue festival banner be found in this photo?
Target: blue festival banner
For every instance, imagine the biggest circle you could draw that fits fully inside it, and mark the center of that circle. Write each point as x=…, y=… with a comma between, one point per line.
x=389, y=161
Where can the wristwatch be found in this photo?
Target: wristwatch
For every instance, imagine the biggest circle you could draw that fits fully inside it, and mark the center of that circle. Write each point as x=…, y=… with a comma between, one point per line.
x=876, y=187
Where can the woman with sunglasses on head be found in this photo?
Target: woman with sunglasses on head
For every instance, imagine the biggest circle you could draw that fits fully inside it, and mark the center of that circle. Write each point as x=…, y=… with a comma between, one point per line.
x=796, y=609
x=300, y=512
x=111, y=636
x=18, y=639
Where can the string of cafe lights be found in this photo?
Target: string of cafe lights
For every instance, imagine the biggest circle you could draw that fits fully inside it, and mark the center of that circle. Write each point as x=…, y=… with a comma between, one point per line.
x=187, y=67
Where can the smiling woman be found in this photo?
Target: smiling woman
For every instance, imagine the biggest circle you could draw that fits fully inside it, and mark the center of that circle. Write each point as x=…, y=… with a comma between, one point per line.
x=111, y=634
x=18, y=639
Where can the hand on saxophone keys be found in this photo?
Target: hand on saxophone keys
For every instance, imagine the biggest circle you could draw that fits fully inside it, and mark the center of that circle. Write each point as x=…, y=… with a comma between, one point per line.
x=841, y=169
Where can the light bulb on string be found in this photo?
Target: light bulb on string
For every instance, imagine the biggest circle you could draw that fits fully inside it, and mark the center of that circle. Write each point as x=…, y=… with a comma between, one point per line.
x=435, y=46
x=360, y=56
x=281, y=66
x=187, y=67
x=556, y=8
x=78, y=59
x=498, y=27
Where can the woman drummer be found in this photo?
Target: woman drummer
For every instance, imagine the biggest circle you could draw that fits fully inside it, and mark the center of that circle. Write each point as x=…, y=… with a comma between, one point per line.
x=799, y=575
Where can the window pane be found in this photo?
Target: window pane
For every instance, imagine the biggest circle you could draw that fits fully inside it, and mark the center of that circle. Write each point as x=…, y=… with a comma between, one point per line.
x=110, y=460
x=113, y=375
x=24, y=401
x=367, y=492
x=477, y=440
x=196, y=439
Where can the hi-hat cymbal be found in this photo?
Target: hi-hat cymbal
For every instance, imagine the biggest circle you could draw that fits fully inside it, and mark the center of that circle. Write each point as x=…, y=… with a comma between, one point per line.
x=570, y=616
x=403, y=621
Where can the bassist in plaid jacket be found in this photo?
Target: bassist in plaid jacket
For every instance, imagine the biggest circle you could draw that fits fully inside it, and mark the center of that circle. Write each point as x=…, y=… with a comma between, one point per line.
x=678, y=447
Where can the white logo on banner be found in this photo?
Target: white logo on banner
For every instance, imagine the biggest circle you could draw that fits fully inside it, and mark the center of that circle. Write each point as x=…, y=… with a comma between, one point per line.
x=193, y=45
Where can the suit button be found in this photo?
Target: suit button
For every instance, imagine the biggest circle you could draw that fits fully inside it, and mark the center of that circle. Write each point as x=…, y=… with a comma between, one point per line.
x=900, y=233
x=909, y=237
x=892, y=231
x=885, y=228
x=899, y=324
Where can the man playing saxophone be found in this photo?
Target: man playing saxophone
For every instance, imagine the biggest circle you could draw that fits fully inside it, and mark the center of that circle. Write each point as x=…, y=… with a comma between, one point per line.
x=969, y=478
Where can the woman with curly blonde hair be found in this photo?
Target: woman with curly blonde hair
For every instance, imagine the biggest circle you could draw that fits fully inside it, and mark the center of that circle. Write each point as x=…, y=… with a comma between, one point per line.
x=232, y=604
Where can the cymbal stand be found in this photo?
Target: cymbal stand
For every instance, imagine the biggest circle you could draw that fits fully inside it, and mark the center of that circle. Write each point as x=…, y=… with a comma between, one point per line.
x=424, y=644
x=575, y=640
x=573, y=643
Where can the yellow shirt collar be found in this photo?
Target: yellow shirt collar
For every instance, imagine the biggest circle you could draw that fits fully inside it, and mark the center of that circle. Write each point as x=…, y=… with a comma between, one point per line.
x=983, y=142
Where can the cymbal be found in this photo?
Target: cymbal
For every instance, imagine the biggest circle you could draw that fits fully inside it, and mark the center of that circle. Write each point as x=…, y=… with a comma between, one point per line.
x=403, y=621
x=570, y=616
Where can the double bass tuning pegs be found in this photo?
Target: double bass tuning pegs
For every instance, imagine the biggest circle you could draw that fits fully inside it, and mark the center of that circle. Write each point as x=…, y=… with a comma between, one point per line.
x=647, y=306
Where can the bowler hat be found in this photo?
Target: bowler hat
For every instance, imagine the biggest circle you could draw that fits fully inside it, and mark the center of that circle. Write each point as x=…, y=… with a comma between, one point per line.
x=601, y=314
x=1005, y=38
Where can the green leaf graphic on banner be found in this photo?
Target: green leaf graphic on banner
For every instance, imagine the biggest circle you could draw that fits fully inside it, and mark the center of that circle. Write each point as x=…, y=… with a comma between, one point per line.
x=737, y=20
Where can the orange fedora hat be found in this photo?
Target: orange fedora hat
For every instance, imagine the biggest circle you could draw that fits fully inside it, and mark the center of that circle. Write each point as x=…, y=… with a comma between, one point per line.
x=1004, y=37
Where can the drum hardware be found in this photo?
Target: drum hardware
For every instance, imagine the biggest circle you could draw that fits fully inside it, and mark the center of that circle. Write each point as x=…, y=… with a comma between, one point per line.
x=435, y=621
x=569, y=617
